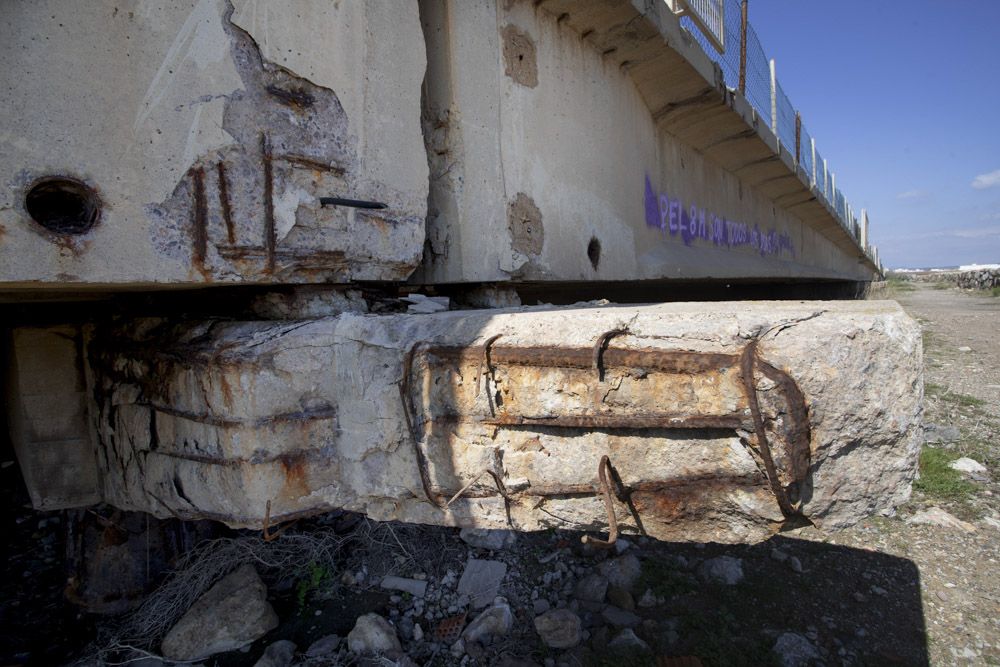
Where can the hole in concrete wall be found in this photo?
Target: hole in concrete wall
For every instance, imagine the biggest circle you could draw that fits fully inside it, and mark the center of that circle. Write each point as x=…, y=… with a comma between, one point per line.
x=63, y=205
x=594, y=252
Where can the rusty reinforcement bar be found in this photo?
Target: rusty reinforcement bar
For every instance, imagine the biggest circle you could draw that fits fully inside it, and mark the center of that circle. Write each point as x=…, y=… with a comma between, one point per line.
x=599, y=357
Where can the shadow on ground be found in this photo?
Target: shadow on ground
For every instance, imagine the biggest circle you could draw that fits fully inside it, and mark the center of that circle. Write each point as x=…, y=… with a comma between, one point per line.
x=850, y=606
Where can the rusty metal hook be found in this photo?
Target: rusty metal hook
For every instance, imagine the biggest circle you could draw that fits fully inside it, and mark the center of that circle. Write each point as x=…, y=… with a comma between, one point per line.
x=488, y=363
x=269, y=536
x=404, y=396
x=600, y=346
x=603, y=469
x=748, y=361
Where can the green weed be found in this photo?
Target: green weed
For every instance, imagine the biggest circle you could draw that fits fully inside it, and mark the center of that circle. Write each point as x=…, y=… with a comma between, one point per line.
x=943, y=393
x=315, y=577
x=939, y=481
x=898, y=283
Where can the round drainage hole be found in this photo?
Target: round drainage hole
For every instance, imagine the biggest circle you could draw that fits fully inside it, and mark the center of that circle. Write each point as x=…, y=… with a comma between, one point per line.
x=63, y=205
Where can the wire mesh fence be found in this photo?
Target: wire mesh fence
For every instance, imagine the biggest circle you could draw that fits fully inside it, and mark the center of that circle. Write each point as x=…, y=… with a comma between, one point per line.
x=729, y=28
x=784, y=114
x=749, y=72
x=806, y=154
x=758, y=76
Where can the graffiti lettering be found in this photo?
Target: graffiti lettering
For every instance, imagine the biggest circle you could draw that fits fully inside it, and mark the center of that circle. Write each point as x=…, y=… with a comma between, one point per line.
x=694, y=223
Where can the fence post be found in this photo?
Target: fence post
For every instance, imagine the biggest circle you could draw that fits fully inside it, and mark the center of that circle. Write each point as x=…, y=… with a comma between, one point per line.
x=812, y=144
x=743, y=49
x=798, y=137
x=864, y=230
x=826, y=182
x=774, y=101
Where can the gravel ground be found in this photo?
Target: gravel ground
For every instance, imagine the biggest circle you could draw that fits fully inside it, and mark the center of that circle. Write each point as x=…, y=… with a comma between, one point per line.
x=958, y=570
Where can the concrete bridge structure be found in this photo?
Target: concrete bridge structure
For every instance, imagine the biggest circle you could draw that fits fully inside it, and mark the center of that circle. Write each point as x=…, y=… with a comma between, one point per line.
x=170, y=145
x=212, y=212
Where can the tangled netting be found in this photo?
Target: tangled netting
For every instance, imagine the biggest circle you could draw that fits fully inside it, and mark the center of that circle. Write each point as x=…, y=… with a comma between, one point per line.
x=198, y=570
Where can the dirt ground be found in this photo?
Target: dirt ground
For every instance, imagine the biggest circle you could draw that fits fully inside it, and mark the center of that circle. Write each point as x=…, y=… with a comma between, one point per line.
x=959, y=575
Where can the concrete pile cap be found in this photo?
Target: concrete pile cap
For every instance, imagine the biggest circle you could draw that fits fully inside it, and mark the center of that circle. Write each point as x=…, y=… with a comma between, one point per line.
x=720, y=420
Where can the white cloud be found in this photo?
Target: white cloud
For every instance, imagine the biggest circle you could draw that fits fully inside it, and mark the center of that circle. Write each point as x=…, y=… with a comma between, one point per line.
x=982, y=232
x=990, y=180
x=911, y=194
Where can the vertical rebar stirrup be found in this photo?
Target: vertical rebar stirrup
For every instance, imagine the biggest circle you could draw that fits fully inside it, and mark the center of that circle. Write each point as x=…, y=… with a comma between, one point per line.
x=603, y=471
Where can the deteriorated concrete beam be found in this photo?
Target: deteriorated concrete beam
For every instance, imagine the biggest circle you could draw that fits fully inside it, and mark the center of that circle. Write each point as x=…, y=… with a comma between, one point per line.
x=205, y=152
x=720, y=420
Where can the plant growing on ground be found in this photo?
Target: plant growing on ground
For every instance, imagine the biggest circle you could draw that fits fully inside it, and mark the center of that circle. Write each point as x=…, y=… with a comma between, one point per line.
x=316, y=575
x=938, y=480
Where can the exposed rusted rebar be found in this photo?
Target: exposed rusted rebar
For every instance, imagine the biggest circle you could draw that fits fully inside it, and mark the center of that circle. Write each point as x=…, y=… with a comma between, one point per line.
x=747, y=361
x=269, y=536
x=602, y=474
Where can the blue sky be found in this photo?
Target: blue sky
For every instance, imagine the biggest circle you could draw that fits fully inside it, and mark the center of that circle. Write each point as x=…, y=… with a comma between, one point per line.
x=903, y=99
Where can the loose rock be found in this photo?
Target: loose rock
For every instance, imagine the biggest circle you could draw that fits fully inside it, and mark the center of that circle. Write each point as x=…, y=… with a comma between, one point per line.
x=591, y=588
x=722, y=569
x=559, y=628
x=935, y=516
x=540, y=606
x=620, y=597
x=970, y=467
x=481, y=581
x=794, y=650
x=622, y=571
x=278, y=654
x=323, y=646
x=496, y=621
x=626, y=641
x=648, y=599
x=233, y=613
x=937, y=433
x=372, y=634
x=619, y=617
x=414, y=587
x=483, y=538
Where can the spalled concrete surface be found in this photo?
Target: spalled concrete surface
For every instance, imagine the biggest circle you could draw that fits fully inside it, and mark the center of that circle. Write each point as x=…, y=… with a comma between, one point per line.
x=210, y=136
x=507, y=413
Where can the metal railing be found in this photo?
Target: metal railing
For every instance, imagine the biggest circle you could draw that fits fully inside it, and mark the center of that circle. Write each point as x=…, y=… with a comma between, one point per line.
x=722, y=29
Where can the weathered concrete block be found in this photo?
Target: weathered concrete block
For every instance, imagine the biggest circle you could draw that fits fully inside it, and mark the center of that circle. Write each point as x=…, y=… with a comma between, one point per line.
x=46, y=411
x=720, y=420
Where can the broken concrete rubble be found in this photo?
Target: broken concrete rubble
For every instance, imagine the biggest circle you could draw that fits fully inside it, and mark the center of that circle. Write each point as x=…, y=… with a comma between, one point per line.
x=720, y=423
x=233, y=613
